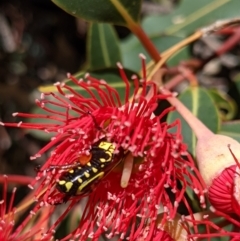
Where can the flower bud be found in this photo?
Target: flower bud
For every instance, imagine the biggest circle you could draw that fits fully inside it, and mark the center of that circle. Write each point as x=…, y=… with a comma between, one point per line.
x=217, y=157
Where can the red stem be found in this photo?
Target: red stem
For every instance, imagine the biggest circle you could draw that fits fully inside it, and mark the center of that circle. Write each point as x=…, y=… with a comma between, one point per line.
x=19, y=179
x=146, y=42
x=174, y=81
x=230, y=43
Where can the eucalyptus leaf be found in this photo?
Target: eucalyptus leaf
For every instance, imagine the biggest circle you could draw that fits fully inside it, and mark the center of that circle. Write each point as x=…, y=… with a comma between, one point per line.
x=180, y=56
x=102, y=47
x=189, y=16
x=226, y=105
x=110, y=11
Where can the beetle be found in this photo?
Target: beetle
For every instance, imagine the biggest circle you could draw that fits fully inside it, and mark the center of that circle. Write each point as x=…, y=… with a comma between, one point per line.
x=79, y=179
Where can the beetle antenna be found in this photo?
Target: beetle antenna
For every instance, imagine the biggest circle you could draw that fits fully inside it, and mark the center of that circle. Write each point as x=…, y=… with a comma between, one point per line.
x=94, y=120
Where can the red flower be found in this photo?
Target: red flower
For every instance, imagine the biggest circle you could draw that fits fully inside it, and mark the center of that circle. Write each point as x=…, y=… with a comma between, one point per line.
x=29, y=228
x=6, y=217
x=162, y=167
x=206, y=227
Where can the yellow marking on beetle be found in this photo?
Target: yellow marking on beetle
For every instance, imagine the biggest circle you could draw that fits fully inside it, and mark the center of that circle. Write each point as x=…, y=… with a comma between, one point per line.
x=71, y=171
x=80, y=180
x=111, y=149
x=89, y=164
x=106, y=146
x=79, y=168
x=68, y=186
x=95, y=170
x=102, y=166
x=102, y=160
x=99, y=175
x=110, y=156
x=86, y=174
x=61, y=182
x=109, y=153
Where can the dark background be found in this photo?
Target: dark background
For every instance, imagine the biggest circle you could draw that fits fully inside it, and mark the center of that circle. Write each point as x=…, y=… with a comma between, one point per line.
x=39, y=44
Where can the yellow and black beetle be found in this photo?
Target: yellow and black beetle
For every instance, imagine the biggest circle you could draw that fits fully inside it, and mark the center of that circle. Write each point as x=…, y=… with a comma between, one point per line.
x=78, y=179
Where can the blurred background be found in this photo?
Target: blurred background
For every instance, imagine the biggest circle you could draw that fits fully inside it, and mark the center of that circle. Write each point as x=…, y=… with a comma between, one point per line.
x=39, y=44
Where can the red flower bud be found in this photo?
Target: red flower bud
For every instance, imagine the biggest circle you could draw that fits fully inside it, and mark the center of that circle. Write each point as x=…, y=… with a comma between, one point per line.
x=220, y=171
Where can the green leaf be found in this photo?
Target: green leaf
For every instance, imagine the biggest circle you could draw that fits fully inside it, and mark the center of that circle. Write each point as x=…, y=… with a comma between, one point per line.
x=231, y=129
x=167, y=30
x=225, y=104
x=111, y=11
x=179, y=56
x=200, y=103
x=102, y=47
x=131, y=48
x=189, y=16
